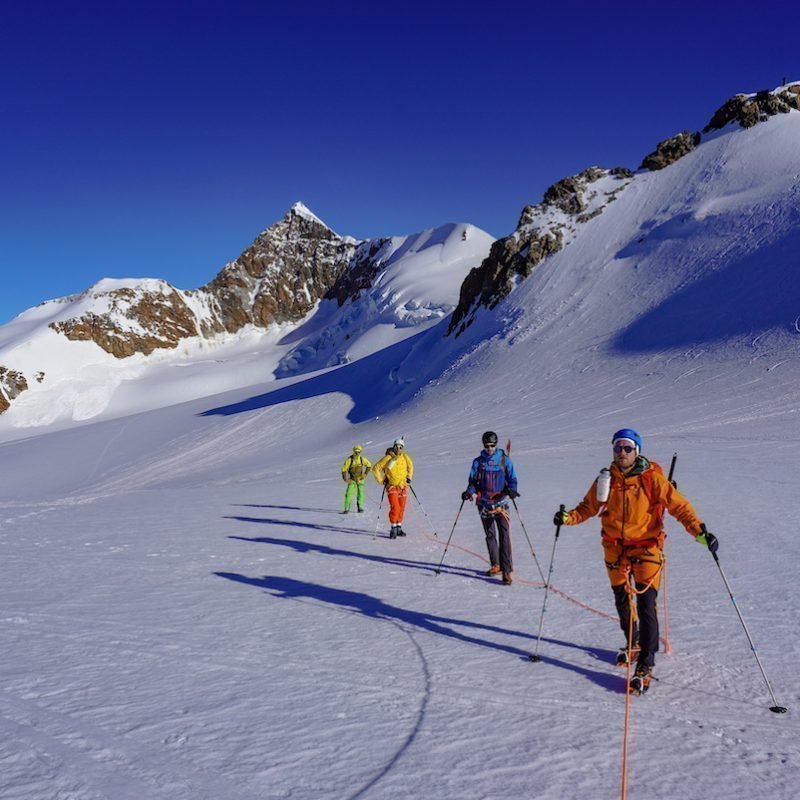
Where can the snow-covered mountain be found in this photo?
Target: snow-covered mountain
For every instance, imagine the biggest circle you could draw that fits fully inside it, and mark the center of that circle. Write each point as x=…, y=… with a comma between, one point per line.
x=300, y=297
x=186, y=615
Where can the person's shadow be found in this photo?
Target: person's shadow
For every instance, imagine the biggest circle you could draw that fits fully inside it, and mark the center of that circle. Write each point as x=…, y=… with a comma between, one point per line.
x=461, y=630
x=326, y=550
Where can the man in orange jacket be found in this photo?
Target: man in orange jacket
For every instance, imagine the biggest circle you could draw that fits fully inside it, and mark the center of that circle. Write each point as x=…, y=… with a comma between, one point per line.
x=630, y=499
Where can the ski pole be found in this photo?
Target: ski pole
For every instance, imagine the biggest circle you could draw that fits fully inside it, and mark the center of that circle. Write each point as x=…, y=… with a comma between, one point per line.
x=522, y=525
x=380, y=506
x=535, y=656
x=667, y=645
x=439, y=568
x=778, y=709
x=423, y=510
x=672, y=470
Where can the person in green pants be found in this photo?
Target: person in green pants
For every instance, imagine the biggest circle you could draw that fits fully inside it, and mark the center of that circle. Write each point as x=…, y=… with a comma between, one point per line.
x=354, y=470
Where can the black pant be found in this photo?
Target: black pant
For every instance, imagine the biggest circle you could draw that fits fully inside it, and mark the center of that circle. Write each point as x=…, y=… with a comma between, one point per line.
x=647, y=633
x=495, y=525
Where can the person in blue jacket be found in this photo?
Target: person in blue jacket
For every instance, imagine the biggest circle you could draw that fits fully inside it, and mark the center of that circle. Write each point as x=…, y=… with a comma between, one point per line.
x=492, y=482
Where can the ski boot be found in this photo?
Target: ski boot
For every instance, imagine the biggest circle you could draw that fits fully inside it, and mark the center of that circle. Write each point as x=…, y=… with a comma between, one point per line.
x=393, y=532
x=640, y=682
x=493, y=570
x=360, y=510
x=507, y=579
x=400, y=531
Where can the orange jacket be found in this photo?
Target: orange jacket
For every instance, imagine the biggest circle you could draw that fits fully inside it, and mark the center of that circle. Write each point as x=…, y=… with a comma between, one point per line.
x=630, y=515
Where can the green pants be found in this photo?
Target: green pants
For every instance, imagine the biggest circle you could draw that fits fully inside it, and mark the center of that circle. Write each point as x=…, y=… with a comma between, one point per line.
x=354, y=489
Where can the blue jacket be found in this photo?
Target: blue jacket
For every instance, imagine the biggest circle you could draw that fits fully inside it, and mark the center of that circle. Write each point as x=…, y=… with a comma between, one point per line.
x=490, y=474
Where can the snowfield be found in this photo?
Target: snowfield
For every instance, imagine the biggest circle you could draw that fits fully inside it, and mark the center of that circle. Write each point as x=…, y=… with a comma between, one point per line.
x=186, y=615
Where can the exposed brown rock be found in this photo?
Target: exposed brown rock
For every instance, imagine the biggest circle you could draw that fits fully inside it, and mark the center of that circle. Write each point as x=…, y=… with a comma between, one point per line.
x=12, y=384
x=363, y=268
x=517, y=255
x=280, y=277
x=750, y=110
x=671, y=150
x=158, y=320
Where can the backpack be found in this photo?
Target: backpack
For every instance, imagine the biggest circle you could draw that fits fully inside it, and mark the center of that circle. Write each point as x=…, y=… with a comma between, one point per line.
x=356, y=469
x=487, y=486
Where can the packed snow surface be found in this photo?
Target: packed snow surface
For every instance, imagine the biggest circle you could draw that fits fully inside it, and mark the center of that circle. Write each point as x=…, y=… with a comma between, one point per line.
x=187, y=615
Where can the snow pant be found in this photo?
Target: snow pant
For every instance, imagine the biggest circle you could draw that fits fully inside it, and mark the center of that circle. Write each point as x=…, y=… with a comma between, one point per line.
x=397, y=504
x=354, y=488
x=645, y=563
x=497, y=524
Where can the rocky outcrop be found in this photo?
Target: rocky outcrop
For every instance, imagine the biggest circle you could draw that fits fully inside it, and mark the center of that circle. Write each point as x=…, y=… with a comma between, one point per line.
x=749, y=110
x=280, y=277
x=360, y=274
x=670, y=150
x=12, y=384
x=137, y=321
x=489, y=283
x=542, y=230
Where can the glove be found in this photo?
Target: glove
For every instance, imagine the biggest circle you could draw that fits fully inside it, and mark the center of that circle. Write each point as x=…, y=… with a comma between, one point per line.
x=560, y=517
x=708, y=539
x=408, y=480
x=466, y=495
x=512, y=493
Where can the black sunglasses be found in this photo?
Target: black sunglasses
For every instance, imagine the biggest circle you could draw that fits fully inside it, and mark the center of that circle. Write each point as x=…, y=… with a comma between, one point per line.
x=623, y=448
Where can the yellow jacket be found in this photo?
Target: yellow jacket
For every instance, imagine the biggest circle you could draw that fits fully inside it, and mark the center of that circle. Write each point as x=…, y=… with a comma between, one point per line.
x=397, y=470
x=633, y=511
x=355, y=468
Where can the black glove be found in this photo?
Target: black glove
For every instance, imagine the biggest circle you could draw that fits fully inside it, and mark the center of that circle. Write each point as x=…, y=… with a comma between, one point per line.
x=408, y=480
x=512, y=493
x=466, y=495
x=708, y=539
x=560, y=517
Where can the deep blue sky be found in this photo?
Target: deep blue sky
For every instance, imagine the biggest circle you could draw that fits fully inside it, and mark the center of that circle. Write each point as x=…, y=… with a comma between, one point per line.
x=158, y=139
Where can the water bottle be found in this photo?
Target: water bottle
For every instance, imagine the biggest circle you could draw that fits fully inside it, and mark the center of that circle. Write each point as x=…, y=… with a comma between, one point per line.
x=603, y=484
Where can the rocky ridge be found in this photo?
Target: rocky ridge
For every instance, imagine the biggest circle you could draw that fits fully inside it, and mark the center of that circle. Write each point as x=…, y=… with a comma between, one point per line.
x=542, y=230
x=546, y=228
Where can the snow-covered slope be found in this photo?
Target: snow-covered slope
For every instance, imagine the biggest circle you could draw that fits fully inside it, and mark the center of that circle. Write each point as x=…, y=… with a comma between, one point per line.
x=414, y=284
x=187, y=616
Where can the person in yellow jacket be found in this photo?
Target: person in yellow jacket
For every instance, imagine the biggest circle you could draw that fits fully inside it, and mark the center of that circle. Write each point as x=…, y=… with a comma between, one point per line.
x=354, y=470
x=395, y=471
x=630, y=498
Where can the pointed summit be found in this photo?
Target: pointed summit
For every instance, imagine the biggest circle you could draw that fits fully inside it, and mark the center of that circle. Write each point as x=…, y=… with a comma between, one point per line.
x=301, y=210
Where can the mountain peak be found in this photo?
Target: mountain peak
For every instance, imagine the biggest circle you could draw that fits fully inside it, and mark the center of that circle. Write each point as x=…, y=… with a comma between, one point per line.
x=299, y=209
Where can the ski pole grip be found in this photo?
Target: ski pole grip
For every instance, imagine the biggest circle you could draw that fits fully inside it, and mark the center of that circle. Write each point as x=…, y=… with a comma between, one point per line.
x=562, y=508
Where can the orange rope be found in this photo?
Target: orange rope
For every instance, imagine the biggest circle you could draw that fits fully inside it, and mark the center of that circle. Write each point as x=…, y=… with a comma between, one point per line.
x=631, y=590
x=525, y=582
x=667, y=647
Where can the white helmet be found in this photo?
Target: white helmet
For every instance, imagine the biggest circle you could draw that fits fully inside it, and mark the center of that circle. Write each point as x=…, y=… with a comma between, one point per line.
x=399, y=442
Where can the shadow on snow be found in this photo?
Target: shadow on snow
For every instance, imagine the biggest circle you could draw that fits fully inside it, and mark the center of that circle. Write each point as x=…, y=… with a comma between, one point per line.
x=373, y=383
x=737, y=299
x=465, y=631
